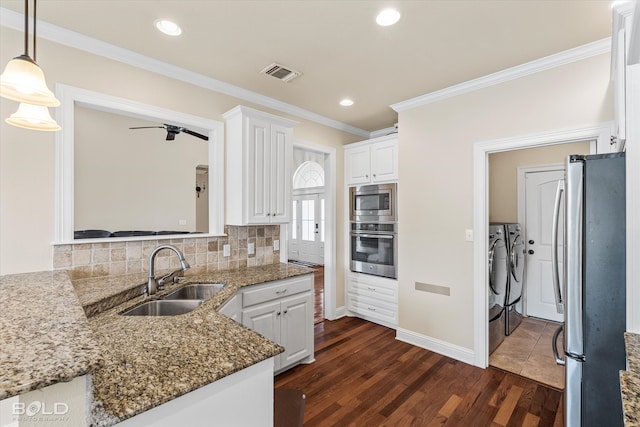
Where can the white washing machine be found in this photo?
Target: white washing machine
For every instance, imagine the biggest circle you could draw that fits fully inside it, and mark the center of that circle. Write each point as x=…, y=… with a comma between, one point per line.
x=498, y=284
x=516, y=257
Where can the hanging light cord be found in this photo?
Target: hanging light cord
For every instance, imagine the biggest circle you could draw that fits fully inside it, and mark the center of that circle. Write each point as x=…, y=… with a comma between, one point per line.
x=35, y=3
x=26, y=27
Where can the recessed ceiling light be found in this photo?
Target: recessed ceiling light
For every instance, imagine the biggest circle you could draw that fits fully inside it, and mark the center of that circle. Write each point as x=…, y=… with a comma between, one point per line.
x=387, y=17
x=168, y=27
x=346, y=102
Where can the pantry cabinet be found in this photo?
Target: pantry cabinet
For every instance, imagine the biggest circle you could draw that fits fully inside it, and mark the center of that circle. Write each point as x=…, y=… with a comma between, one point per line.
x=372, y=161
x=282, y=311
x=259, y=152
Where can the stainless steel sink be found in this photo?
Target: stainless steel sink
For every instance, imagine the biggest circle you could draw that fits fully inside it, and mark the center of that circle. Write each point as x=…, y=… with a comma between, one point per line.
x=164, y=308
x=196, y=291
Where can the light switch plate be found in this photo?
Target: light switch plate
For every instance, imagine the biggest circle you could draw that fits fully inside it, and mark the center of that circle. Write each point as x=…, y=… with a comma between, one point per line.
x=251, y=248
x=276, y=245
x=226, y=250
x=468, y=235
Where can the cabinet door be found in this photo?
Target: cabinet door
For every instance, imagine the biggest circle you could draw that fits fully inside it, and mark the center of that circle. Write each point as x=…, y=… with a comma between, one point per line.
x=280, y=188
x=297, y=328
x=384, y=161
x=265, y=320
x=258, y=170
x=358, y=165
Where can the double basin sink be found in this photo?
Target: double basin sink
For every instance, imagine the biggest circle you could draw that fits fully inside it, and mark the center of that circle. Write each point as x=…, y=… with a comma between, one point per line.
x=180, y=301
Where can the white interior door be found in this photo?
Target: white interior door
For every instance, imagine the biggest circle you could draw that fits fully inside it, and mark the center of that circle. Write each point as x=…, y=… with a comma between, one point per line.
x=307, y=228
x=540, y=190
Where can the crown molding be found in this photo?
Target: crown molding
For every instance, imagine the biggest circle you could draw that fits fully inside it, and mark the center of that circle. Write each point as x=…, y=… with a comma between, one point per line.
x=63, y=36
x=536, y=66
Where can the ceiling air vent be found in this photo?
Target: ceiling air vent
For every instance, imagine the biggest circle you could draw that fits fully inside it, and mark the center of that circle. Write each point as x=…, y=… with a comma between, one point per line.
x=281, y=72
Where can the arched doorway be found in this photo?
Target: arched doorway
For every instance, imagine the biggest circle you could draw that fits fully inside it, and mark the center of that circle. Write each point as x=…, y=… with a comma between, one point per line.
x=308, y=225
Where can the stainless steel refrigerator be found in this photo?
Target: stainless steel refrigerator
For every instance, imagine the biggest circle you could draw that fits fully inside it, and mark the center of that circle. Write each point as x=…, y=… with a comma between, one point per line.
x=593, y=292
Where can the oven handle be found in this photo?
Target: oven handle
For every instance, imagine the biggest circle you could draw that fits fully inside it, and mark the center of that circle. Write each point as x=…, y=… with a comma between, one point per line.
x=374, y=236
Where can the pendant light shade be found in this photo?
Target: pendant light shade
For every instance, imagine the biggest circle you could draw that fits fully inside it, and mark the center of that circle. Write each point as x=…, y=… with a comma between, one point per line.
x=35, y=117
x=23, y=81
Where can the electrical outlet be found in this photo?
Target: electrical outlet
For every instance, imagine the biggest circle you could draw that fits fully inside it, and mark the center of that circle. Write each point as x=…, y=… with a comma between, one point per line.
x=251, y=248
x=226, y=250
x=276, y=245
x=182, y=222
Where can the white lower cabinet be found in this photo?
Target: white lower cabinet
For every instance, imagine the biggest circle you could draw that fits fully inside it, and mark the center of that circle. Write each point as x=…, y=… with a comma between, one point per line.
x=282, y=311
x=373, y=298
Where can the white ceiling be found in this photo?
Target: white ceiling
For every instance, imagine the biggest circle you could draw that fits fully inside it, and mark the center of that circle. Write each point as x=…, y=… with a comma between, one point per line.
x=337, y=45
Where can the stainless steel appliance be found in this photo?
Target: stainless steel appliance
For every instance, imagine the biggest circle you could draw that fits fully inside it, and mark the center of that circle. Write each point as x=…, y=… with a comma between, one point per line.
x=515, y=265
x=593, y=295
x=498, y=280
x=374, y=248
x=373, y=203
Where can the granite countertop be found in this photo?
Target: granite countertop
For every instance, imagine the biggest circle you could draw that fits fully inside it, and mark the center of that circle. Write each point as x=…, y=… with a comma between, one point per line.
x=151, y=360
x=44, y=334
x=630, y=381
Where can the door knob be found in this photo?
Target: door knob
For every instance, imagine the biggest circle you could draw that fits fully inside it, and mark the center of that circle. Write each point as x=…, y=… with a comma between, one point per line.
x=531, y=252
x=531, y=242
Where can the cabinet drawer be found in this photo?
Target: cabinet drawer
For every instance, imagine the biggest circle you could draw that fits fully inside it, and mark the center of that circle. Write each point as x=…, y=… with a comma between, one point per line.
x=371, y=308
x=372, y=290
x=274, y=290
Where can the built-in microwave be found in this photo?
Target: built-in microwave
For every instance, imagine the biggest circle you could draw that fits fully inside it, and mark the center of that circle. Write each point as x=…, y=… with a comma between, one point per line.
x=373, y=203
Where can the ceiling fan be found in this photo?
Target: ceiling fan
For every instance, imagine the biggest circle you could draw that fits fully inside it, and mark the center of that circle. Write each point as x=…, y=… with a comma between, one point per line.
x=172, y=131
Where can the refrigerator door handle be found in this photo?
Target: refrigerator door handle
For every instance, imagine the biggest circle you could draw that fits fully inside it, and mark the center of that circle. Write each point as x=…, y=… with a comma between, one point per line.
x=555, y=268
x=554, y=344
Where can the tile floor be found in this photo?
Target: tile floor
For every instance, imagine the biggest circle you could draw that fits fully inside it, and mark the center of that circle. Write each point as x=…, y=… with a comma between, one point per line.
x=527, y=352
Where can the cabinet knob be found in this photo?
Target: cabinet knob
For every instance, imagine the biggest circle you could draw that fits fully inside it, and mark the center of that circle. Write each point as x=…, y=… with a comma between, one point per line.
x=531, y=252
x=278, y=314
x=366, y=175
x=531, y=242
x=374, y=175
x=285, y=312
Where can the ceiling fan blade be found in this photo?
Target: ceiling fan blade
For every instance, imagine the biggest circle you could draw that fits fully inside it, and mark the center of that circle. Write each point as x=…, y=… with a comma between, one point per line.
x=148, y=127
x=196, y=134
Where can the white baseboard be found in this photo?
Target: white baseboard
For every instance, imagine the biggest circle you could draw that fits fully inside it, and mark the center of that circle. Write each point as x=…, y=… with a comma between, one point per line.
x=453, y=351
x=340, y=312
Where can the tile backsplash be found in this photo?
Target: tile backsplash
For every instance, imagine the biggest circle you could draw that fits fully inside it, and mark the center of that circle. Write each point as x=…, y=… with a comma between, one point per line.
x=204, y=254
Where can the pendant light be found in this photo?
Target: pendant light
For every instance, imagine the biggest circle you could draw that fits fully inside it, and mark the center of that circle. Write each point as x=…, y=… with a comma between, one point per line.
x=23, y=81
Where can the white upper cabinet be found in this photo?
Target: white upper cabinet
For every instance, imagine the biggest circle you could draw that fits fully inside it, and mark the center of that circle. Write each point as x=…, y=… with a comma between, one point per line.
x=259, y=153
x=372, y=161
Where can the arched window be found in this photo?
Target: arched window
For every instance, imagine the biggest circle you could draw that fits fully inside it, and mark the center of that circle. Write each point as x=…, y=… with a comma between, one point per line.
x=308, y=175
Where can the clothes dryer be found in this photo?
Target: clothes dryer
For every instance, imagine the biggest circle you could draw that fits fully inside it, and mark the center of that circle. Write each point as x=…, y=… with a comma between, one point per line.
x=498, y=284
x=516, y=266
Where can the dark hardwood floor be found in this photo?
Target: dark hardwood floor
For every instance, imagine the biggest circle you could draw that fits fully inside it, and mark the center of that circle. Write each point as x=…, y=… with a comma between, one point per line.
x=363, y=376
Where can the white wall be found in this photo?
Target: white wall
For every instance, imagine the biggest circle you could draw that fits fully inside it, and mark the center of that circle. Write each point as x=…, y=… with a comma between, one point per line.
x=436, y=177
x=27, y=158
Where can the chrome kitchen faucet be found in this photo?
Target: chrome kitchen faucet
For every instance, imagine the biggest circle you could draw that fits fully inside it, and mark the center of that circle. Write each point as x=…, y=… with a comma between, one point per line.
x=153, y=284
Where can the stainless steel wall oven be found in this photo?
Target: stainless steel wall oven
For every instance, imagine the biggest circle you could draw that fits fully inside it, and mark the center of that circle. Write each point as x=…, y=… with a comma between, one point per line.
x=374, y=248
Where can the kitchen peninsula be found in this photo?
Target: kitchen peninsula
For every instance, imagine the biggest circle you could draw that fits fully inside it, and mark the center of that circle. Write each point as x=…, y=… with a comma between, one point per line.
x=134, y=363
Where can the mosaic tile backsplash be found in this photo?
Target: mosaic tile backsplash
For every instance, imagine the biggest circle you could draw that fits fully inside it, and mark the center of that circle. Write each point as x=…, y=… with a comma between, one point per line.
x=204, y=254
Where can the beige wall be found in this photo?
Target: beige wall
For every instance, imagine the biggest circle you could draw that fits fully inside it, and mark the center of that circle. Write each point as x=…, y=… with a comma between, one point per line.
x=503, y=175
x=436, y=181
x=27, y=158
x=133, y=179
